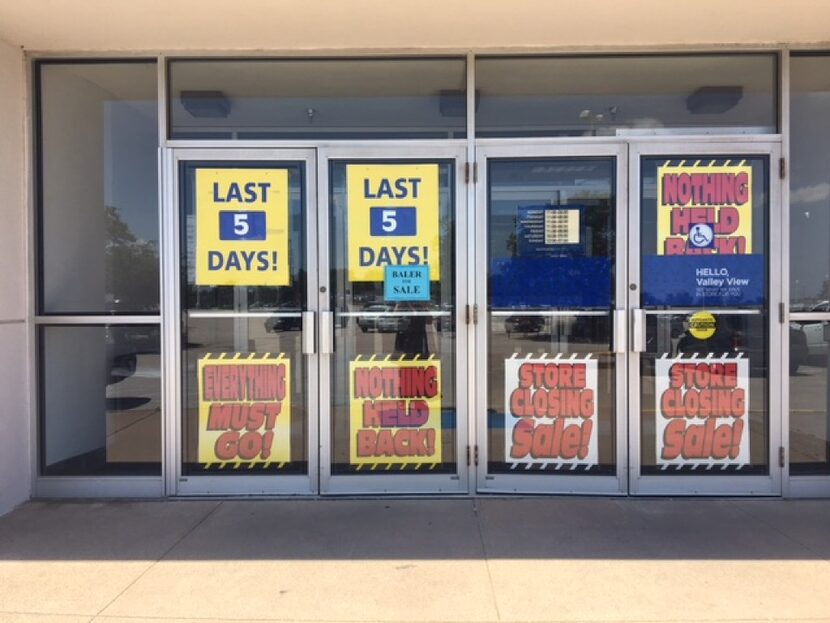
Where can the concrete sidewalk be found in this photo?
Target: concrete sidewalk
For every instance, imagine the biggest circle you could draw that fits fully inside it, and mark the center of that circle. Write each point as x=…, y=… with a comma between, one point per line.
x=491, y=559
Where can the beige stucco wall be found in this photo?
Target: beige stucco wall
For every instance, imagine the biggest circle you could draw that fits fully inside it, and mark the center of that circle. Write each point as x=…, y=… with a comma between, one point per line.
x=14, y=351
x=412, y=24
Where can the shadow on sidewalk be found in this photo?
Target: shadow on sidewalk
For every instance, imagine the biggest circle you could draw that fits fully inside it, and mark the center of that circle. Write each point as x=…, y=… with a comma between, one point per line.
x=423, y=529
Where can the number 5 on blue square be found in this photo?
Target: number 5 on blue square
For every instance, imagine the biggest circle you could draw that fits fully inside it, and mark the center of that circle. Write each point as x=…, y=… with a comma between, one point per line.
x=392, y=221
x=241, y=225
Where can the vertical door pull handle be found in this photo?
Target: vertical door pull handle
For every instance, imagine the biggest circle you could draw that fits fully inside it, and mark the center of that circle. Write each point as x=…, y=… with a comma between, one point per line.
x=620, y=329
x=638, y=330
x=326, y=333
x=309, y=333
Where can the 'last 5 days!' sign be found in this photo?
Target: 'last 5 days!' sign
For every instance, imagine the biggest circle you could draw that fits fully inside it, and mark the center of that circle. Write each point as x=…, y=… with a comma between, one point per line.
x=242, y=227
x=392, y=219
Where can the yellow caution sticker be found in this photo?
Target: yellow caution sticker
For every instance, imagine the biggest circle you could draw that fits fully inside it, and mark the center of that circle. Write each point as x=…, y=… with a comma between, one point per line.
x=702, y=325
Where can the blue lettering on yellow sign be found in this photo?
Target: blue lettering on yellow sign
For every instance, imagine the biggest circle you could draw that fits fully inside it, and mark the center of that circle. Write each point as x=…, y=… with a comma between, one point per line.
x=401, y=188
x=253, y=192
x=242, y=260
x=387, y=256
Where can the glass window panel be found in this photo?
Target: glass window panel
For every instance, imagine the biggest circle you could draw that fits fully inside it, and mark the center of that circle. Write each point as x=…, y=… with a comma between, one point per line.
x=810, y=184
x=809, y=265
x=99, y=225
x=809, y=397
x=626, y=95
x=291, y=99
x=101, y=400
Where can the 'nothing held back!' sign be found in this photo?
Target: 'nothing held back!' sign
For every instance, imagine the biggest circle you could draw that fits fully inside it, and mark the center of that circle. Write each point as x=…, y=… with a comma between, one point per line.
x=705, y=252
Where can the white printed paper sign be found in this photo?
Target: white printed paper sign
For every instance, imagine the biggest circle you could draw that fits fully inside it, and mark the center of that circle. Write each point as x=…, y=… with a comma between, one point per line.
x=702, y=411
x=550, y=412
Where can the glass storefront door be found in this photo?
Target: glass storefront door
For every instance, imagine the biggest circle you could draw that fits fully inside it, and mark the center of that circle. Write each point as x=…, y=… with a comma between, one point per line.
x=274, y=294
x=625, y=341
x=247, y=389
x=394, y=360
x=704, y=416
x=551, y=337
x=598, y=320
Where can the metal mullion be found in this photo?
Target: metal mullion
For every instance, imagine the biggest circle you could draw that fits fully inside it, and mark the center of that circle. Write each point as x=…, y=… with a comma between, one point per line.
x=171, y=326
x=564, y=313
x=96, y=320
x=720, y=312
x=393, y=313
x=325, y=311
x=777, y=330
x=231, y=315
x=621, y=359
x=784, y=255
x=249, y=145
x=634, y=386
x=469, y=280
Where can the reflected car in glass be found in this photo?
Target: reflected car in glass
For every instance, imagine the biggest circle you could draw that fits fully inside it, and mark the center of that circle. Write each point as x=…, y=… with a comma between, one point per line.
x=523, y=324
x=379, y=318
x=816, y=331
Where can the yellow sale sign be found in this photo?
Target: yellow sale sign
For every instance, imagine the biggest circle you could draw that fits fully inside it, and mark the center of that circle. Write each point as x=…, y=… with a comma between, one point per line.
x=244, y=409
x=704, y=209
x=392, y=214
x=242, y=227
x=395, y=412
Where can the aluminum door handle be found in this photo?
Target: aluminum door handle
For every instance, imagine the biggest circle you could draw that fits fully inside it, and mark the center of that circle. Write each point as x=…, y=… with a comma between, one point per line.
x=638, y=330
x=620, y=329
x=309, y=333
x=326, y=333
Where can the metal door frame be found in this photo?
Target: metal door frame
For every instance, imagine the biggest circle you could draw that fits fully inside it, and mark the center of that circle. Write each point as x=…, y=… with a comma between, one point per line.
x=739, y=485
x=552, y=482
x=360, y=484
x=188, y=485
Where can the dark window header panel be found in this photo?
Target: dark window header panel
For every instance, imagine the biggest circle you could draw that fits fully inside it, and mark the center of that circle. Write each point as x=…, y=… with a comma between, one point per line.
x=318, y=98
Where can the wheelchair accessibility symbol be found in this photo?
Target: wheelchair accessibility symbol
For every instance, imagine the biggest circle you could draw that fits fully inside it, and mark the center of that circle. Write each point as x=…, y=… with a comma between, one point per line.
x=701, y=236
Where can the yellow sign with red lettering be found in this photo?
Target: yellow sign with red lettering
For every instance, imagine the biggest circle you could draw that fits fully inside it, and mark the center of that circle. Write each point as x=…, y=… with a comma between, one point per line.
x=704, y=208
x=244, y=409
x=395, y=412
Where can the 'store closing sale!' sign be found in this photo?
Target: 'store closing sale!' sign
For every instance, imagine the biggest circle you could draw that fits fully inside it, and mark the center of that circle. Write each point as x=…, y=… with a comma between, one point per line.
x=244, y=409
x=392, y=217
x=551, y=412
x=702, y=411
x=242, y=227
x=395, y=412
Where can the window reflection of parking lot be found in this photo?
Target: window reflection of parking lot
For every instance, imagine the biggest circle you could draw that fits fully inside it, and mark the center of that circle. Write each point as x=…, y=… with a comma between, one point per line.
x=809, y=406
